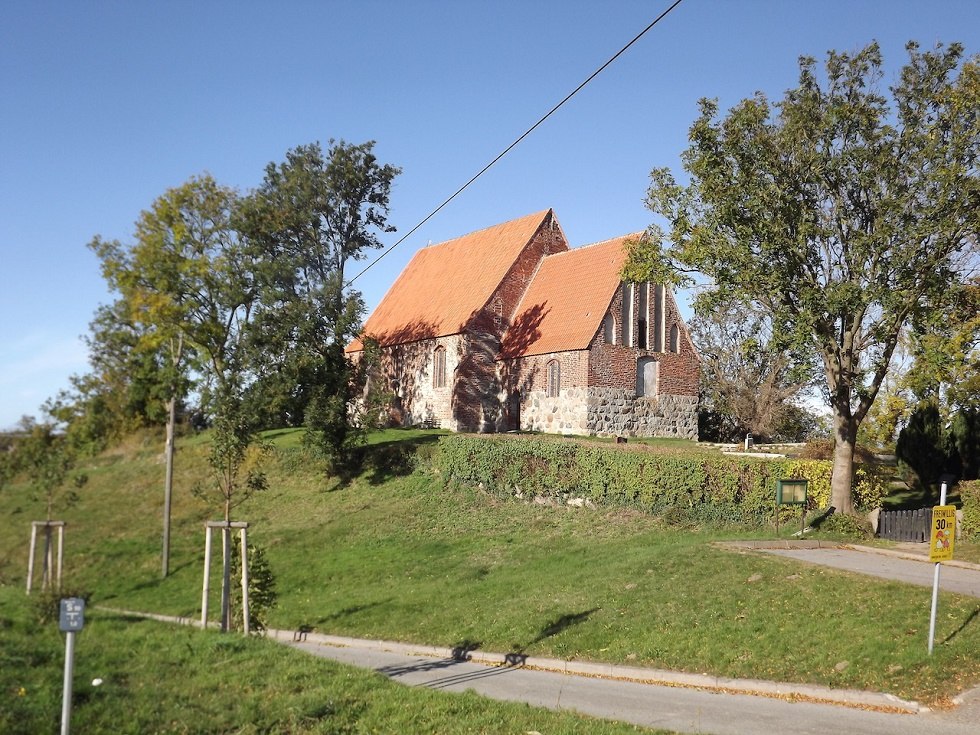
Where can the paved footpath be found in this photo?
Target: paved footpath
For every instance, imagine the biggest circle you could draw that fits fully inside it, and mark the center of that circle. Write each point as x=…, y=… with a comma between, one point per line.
x=682, y=706
x=908, y=564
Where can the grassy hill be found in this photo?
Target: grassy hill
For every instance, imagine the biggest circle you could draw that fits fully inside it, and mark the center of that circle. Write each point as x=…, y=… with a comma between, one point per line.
x=392, y=552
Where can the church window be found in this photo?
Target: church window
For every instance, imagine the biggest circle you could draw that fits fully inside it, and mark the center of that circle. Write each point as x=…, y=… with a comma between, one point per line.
x=439, y=367
x=554, y=379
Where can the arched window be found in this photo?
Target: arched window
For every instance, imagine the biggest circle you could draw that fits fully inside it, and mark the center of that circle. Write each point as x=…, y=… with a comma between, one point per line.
x=647, y=376
x=609, y=330
x=675, y=338
x=439, y=367
x=554, y=379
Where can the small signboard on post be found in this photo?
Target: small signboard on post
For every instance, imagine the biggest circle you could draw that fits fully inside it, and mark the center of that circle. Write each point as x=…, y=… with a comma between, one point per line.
x=72, y=615
x=943, y=533
x=792, y=491
x=71, y=619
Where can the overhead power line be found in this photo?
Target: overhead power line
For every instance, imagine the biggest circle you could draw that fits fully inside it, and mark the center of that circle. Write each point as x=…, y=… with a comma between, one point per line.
x=508, y=149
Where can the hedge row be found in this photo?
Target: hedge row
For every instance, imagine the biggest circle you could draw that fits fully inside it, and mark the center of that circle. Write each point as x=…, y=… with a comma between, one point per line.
x=741, y=489
x=970, y=499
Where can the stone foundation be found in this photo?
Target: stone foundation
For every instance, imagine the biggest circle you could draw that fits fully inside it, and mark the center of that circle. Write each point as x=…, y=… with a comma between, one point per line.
x=565, y=414
x=618, y=412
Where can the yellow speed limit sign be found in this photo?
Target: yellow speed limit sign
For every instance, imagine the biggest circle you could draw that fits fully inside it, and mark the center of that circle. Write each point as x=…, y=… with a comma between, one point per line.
x=943, y=531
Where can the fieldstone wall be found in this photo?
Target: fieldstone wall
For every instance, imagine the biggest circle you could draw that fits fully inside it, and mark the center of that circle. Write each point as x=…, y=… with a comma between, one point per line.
x=565, y=414
x=619, y=412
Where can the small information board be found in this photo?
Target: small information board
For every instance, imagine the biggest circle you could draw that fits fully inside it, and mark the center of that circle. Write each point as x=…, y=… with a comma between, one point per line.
x=943, y=532
x=72, y=615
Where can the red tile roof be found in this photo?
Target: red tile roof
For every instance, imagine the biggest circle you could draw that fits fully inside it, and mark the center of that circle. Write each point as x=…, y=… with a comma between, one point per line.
x=445, y=284
x=565, y=303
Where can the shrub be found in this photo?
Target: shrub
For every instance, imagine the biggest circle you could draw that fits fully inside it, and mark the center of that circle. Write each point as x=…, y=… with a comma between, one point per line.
x=970, y=498
x=262, y=594
x=850, y=527
x=712, y=486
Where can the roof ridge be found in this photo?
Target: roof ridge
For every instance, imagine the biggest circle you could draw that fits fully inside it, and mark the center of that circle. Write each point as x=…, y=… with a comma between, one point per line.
x=533, y=215
x=596, y=244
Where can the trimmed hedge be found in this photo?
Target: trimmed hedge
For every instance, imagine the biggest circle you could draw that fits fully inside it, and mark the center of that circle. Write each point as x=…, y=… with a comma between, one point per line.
x=739, y=489
x=970, y=502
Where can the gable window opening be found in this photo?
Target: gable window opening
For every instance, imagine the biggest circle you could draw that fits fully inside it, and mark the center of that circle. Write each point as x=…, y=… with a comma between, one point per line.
x=554, y=379
x=609, y=330
x=643, y=316
x=675, y=338
x=647, y=377
x=627, y=328
x=439, y=367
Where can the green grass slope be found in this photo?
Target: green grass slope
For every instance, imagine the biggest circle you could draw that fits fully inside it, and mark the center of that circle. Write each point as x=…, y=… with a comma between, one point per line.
x=393, y=553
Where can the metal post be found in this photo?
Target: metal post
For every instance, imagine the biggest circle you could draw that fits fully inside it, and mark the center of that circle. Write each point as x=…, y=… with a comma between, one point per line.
x=935, y=585
x=66, y=692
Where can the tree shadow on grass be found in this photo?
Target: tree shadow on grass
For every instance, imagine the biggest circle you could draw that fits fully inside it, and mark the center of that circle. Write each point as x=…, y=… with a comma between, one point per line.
x=551, y=629
x=973, y=616
x=385, y=460
x=305, y=628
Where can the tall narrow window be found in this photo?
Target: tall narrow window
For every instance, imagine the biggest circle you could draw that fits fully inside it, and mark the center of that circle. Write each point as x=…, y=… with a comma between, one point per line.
x=658, y=319
x=675, y=338
x=609, y=330
x=439, y=367
x=647, y=376
x=554, y=379
x=643, y=312
x=627, y=327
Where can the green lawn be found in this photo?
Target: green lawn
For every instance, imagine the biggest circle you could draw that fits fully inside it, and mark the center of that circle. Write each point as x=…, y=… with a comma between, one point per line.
x=392, y=553
x=158, y=678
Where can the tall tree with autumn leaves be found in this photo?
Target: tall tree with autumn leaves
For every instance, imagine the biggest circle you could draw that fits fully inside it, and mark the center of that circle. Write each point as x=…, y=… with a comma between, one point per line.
x=846, y=214
x=186, y=282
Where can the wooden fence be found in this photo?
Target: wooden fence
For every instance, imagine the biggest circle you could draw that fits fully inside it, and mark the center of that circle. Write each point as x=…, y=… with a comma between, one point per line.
x=905, y=525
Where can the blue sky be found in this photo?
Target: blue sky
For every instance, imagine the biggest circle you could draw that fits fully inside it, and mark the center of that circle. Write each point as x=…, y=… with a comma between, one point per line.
x=105, y=105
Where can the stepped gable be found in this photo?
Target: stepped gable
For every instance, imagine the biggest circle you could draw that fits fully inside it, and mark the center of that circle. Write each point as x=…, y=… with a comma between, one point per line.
x=567, y=299
x=444, y=285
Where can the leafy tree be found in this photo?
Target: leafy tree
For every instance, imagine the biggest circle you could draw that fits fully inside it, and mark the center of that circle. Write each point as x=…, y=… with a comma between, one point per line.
x=929, y=447
x=748, y=378
x=946, y=352
x=235, y=456
x=964, y=442
x=186, y=283
x=313, y=214
x=845, y=217
x=126, y=388
x=45, y=458
x=236, y=466
x=920, y=448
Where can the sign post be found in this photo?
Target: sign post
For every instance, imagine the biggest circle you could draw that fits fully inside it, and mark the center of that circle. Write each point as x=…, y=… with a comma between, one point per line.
x=792, y=491
x=941, y=541
x=70, y=621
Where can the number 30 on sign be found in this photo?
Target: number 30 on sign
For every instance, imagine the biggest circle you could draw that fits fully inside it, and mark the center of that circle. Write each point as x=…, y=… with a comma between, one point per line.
x=943, y=531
